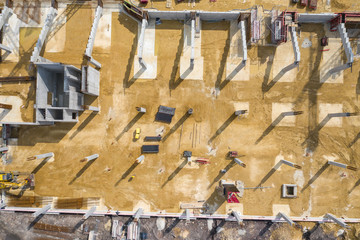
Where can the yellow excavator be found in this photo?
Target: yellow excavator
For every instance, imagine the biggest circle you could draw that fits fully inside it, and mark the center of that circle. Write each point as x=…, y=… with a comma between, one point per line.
x=11, y=180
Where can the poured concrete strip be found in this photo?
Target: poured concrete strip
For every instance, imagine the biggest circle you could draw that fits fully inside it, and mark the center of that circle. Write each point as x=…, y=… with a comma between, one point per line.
x=336, y=220
x=89, y=213
x=43, y=34
x=295, y=45
x=192, y=54
x=243, y=40
x=91, y=40
x=192, y=49
x=42, y=211
x=346, y=44
x=147, y=51
x=144, y=24
x=236, y=63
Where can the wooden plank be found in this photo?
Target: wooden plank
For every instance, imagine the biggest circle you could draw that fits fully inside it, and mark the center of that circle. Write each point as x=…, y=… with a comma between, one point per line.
x=5, y=106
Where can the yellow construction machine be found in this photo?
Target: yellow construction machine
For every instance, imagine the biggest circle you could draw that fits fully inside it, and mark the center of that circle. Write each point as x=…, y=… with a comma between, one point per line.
x=12, y=180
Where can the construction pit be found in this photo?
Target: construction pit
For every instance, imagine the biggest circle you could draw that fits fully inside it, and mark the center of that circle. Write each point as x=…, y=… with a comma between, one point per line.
x=294, y=123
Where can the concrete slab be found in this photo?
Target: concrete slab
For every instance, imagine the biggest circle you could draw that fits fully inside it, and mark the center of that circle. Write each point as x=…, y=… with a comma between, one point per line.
x=325, y=109
x=284, y=208
x=332, y=58
x=235, y=56
x=278, y=109
x=148, y=54
x=13, y=115
x=185, y=71
x=284, y=56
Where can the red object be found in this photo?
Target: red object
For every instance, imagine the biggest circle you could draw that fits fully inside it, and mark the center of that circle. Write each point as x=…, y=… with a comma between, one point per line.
x=203, y=160
x=313, y=4
x=232, y=197
x=233, y=154
x=324, y=50
x=304, y=3
x=144, y=1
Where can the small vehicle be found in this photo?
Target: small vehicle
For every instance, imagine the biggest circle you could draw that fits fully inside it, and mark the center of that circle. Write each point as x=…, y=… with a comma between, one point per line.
x=137, y=133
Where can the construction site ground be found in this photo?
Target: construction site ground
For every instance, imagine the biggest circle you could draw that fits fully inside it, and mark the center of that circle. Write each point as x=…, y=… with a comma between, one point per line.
x=165, y=180
x=73, y=227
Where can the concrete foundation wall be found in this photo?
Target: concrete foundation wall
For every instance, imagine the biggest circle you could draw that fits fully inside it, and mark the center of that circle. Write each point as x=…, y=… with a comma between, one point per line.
x=315, y=18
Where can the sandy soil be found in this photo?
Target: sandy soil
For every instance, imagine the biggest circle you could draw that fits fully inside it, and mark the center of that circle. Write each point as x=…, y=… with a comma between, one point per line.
x=164, y=180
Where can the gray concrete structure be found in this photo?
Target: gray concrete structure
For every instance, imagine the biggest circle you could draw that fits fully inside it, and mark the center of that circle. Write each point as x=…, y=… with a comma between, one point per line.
x=187, y=215
x=41, y=211
x=58, y=96
x=91, y=40
x=315, y=17
x=237, y=216
x=45, y=155
x=286, y=163
x=345, y=41
x=137, y=214
x=89, y=213
x=336, y=220
x=144, y=25
x=295, y=45
x=285, y=218
x=90, y=81
x=289, y=191
x=341, y=165
x=241, y=163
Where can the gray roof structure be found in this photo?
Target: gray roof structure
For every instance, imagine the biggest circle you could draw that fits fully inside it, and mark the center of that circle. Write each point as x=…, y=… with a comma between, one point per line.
x=58, y=93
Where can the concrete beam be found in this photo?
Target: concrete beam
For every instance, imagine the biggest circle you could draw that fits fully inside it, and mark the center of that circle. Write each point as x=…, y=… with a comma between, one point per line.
x=90, y=158
x=91, y=40
x=137, y=214
x=41, y=156
x=144, y=24
x=346, y=44
x=286, y=163
x=94, y=62
x=192, y=53
x=284, y=217
x=91, y=108
x=43, y=34
x=237, y=217
x=42, y=211
x=295, y=45
x=241, y=163
x=342, y=165
x=89, y=213
x=336, y=220
x=241, y=25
